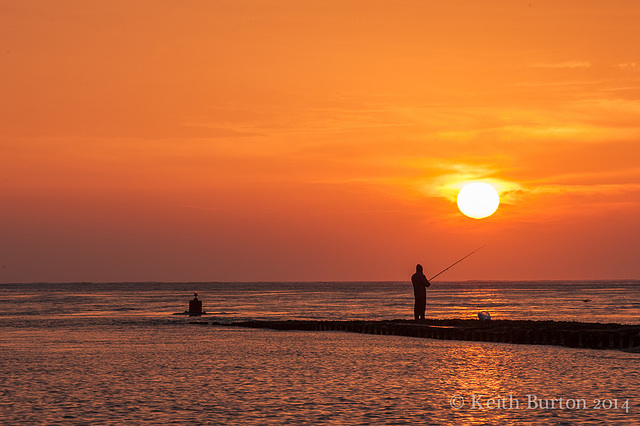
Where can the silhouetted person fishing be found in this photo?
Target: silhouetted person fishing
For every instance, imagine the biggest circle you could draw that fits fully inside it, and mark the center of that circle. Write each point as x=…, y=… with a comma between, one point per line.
x=420, y=284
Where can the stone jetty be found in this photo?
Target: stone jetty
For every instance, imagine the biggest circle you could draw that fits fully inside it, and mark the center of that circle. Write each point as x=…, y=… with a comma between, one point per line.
x=570, y=334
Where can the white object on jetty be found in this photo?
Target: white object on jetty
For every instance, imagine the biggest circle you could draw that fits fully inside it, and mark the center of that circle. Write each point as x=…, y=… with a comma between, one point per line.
x=484, y=316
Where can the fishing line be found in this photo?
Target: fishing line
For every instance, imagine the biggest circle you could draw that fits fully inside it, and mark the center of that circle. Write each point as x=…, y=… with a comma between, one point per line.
x=455, y=263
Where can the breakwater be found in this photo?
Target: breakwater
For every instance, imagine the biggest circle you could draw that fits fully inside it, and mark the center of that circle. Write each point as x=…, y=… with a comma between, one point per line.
x=570, y=334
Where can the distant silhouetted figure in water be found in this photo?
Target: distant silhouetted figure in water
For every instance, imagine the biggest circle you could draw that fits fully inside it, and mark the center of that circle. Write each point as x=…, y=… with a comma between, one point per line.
x=195, y=305
x=420, y=284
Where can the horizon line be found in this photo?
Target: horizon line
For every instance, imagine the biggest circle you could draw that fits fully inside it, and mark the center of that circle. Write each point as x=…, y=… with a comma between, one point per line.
x=407, y=281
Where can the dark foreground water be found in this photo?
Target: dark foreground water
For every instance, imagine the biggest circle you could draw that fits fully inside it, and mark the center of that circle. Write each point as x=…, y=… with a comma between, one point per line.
x=113, y=354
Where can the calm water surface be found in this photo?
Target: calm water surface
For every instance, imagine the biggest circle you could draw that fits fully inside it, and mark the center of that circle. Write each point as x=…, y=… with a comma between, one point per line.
x=113, y=354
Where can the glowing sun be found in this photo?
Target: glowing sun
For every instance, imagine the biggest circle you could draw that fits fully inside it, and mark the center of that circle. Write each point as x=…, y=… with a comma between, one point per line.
x=478, y=200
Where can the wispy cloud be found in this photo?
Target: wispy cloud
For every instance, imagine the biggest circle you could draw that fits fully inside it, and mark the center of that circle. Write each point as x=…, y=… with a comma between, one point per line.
x=565, y=64
x=448, y=178
x=628, y=66
x=590, y=189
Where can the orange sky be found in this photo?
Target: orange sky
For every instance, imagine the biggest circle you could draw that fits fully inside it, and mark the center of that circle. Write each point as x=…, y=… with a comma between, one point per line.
x=243, y=140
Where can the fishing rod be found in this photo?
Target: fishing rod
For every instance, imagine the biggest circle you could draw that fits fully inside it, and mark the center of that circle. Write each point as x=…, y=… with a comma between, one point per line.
x=455, y=263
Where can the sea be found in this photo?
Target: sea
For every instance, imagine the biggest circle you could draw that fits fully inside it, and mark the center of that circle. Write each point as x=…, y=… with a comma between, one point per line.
x=114, y=353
